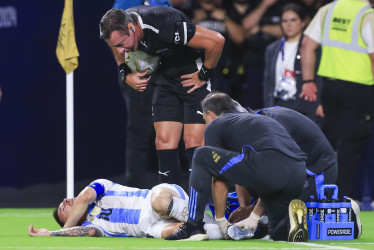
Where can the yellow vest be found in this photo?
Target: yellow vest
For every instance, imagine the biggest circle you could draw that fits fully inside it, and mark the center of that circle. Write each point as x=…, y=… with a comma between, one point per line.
x=344, y=53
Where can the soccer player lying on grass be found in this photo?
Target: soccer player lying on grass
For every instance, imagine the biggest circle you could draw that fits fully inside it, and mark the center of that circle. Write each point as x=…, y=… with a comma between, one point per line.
x=105, y=208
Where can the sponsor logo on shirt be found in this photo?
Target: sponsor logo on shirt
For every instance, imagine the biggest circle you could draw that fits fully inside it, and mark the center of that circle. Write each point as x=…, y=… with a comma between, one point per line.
x=177, y=38
x=216, y=157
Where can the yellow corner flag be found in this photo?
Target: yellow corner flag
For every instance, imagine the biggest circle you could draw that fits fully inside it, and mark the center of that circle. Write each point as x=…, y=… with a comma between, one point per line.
x=66, y=51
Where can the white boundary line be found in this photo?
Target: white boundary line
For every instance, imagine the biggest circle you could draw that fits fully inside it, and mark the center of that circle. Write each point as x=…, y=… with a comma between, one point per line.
x=24, y=215
x=324, y=246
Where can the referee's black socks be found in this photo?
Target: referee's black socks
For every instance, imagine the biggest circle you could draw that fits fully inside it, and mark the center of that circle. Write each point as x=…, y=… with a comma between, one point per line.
x=189, y=155
x=169, y=169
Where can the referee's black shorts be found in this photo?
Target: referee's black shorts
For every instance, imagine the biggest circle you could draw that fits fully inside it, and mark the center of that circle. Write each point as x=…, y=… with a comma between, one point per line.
x=171, y=102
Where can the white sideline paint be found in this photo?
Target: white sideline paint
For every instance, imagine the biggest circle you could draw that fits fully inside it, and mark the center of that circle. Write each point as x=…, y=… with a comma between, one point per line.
x=324, y=246
x=25, y=215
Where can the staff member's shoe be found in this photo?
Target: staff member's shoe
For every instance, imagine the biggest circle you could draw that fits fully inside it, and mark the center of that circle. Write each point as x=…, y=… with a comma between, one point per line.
x=189, y=232
x=298, y=226
x=356, y=218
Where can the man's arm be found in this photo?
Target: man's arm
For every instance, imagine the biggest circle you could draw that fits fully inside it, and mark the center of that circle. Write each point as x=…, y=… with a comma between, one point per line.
x=74, y=231
x=219, y=193
x=244, y=198
x=308, y=61
x=80, y=206
x=212, y=42
x=253, y=19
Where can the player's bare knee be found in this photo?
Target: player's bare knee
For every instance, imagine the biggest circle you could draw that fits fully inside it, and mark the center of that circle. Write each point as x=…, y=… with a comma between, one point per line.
x=193, y=141
x=160, y=201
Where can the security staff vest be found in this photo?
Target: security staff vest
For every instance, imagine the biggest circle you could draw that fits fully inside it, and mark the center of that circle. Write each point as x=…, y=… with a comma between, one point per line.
x=344, y=53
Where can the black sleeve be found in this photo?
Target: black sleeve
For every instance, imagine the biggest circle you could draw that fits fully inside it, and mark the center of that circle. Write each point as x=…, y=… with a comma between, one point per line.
x=178, y=29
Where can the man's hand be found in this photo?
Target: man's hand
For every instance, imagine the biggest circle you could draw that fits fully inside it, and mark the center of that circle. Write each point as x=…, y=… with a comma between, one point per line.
x=309, y=92
x=192, y=80
x=136, y=81
x=319, y=111
x=38, y=232
x=269, y=3
x=223, y=224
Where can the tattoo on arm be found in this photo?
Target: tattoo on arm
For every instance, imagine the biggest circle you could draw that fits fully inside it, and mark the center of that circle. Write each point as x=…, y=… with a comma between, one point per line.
x=79, y=232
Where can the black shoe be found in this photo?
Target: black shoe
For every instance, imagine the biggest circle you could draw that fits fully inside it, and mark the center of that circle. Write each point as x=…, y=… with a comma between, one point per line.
x=189, y=232
x=299, y=229
x=356, y=218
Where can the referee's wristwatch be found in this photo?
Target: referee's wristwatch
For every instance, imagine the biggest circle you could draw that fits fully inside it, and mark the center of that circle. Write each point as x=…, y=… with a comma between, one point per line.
x=205, y=73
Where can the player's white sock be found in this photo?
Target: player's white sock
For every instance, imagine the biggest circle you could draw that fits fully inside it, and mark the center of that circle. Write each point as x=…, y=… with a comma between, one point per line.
x=213, y=232
x=250, y=222
x=179, y=209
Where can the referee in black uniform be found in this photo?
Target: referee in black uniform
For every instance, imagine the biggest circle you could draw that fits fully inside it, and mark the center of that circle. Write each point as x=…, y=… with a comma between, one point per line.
x=182, y=80
x=249, y=150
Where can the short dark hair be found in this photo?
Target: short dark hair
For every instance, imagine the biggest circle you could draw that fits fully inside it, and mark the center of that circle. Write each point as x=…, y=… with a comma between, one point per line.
x=55, y=215
x=297, y=8
x=116, y=19
x=217, y=102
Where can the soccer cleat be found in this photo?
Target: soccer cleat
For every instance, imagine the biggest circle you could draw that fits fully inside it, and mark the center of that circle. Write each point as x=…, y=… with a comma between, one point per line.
x=237, y=233
x=189, y=232
x=356, y=218
x=298, y=227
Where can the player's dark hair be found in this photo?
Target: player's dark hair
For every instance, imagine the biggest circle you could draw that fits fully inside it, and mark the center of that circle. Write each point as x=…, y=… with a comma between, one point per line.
x=217, y=102
x=55, y=215
x=298, y=9
x=116, y=19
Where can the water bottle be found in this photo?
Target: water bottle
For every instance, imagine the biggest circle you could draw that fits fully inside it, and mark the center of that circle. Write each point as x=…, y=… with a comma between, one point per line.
x=335, y=210
x=323, y=207
x=328, y=212
x=345, y=210
x=311, y=205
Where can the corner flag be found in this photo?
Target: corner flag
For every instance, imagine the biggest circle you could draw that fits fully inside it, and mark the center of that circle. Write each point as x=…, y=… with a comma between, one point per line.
x=67, y=55
x=66, y=51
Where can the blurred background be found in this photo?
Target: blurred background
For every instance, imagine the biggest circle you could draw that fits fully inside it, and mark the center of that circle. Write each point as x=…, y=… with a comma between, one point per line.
x=33, y=111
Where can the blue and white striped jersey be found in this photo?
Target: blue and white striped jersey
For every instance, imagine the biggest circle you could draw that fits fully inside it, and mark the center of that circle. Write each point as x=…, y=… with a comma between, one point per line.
x=118, y=209
x=121, y=211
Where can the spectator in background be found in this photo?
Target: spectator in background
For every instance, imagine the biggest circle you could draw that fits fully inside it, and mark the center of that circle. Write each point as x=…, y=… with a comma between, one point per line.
x=282, y=82
x=211, y=15
x=345, y=31
x=311, y=8
x=260, y=20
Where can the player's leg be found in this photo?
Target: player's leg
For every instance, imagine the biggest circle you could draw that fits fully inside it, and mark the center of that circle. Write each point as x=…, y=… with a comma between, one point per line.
x=170, y=201
x=211, y=229
x=168, y=123
x=207, y=162
x=194, y=124
x=193, y=136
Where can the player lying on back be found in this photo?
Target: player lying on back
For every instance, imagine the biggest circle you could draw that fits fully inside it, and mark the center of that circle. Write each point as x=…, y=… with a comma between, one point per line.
x=105, y=208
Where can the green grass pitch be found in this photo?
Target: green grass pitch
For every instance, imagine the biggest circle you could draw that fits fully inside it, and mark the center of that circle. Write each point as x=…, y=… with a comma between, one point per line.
x=14, y=224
